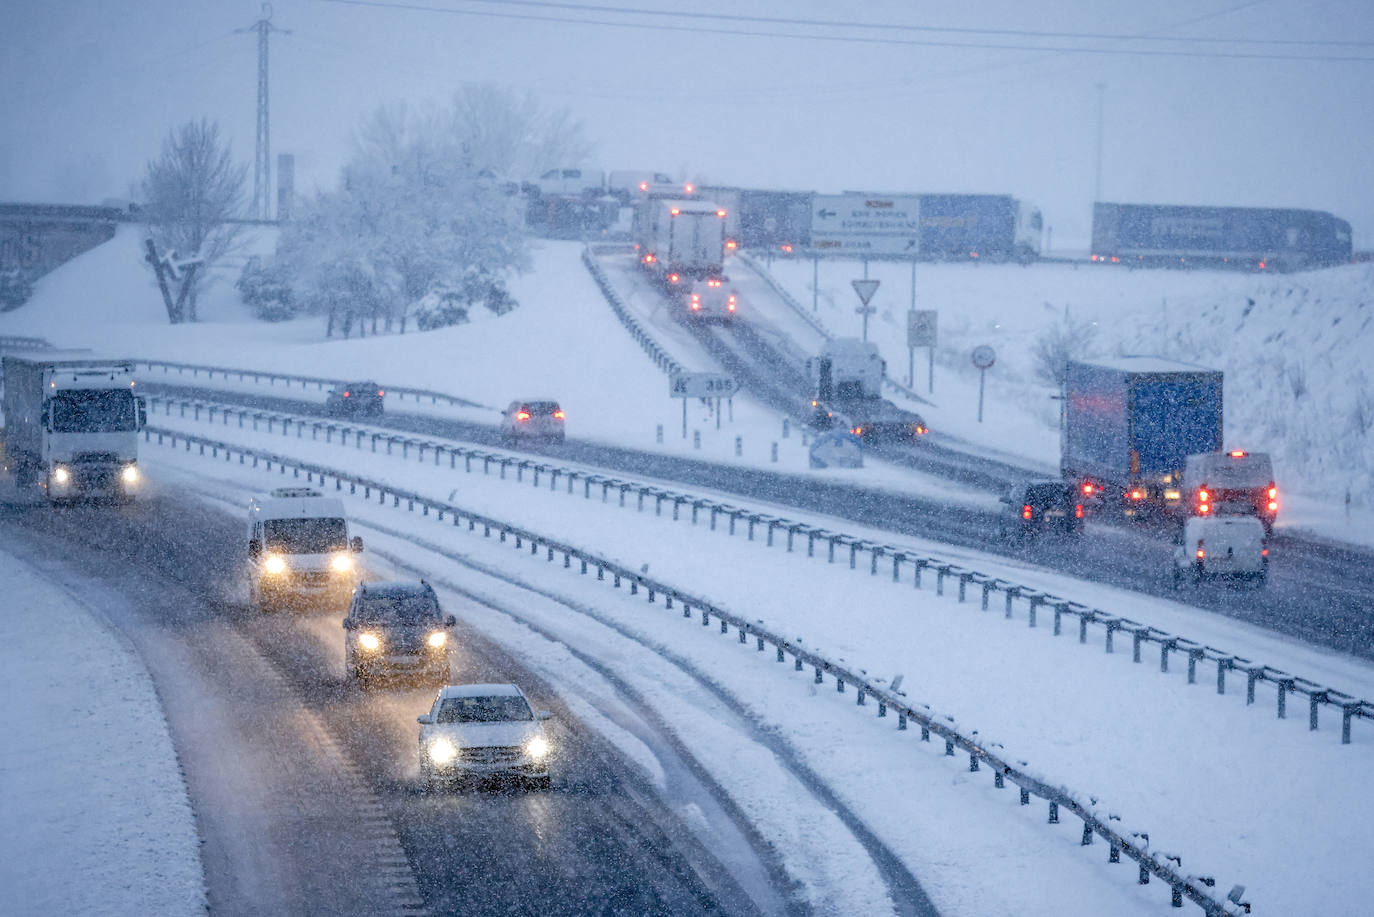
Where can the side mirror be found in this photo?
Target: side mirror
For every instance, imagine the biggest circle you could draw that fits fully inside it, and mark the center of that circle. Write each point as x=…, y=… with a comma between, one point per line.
x=356, y=544
x=450, y=621
x=47, y=416
x=544, y=715
x=349, y=624
x=142, y=404
x=254, y=549
x=425, y=719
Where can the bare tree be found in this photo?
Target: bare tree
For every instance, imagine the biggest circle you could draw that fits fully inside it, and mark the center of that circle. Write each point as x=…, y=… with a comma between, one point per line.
x=189, y=193
x=512, y=134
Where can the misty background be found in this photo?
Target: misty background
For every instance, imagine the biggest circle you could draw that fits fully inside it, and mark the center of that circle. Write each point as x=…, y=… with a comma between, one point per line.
x=1248, y=103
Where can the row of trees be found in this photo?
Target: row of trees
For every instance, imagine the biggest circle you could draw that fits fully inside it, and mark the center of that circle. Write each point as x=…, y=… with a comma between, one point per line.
x=421, y=227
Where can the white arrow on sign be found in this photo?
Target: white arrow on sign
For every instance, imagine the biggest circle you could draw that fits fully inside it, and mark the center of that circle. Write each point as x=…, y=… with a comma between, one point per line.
x=865, y=289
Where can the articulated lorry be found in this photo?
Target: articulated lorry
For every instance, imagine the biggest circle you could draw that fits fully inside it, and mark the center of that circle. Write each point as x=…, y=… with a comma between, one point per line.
x=847, y=377
x=1130, y=424
x=71, y=424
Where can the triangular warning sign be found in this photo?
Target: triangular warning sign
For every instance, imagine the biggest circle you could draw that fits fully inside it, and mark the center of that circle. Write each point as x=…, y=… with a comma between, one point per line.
x=865, y=289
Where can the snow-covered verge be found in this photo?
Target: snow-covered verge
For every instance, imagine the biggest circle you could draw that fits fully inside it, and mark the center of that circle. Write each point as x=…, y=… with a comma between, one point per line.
x=1295, y=349
x=97, y=818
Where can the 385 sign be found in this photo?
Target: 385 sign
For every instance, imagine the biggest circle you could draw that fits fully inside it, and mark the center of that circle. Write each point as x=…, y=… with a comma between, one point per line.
x=702, y=385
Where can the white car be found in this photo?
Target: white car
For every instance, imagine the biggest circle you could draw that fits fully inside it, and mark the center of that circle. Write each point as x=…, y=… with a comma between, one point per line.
x=483, y=731
x=711, y=298
x=1221, y=546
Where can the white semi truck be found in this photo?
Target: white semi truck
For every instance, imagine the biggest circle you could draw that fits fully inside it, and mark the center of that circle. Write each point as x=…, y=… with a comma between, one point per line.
x=71, y=424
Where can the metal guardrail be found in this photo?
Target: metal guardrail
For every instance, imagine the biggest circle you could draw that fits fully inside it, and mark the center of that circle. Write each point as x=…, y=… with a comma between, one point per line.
x=320, y=383
x=656, y=351
x=1032, y=600
x=767, y=277
x=1096, y=822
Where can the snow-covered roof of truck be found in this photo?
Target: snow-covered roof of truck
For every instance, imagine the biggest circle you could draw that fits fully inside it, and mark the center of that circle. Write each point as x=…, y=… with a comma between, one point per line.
x=296, y=503
x=1147, y=364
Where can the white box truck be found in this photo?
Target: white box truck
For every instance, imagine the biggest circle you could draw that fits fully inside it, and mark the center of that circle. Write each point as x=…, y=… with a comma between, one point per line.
x=71, y=424
x=679, y=240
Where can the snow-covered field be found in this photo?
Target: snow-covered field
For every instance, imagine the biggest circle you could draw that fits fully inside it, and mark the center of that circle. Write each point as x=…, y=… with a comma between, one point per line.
x=1060, y=706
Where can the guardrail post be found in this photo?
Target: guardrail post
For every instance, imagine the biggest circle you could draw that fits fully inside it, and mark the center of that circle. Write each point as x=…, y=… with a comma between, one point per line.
x=1114, y=853
x=972, y=763
x=1164, y=647
x=1087, y=835
x=1285, y=685
x=1347, y=711
x=1315, y=699
x=916, y=575
x=1054, y=812
x=1012, y=592
x=963, y=584
x=1193, y=656
x=940, y=579
x=1025, y=796
x=987, y=591
x=1137, y=637
x=1035, y=601
x=949, y=748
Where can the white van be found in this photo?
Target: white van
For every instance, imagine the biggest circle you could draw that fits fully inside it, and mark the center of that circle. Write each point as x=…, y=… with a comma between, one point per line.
x=1221, y=546
x=299, y=549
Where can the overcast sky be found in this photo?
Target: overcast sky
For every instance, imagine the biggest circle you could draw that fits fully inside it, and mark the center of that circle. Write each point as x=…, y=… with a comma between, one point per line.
x=1248, y=117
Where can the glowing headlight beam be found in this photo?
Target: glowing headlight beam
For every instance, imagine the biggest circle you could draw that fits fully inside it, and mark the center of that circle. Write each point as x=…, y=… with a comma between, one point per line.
x=369, y=641
x=341, y=563
x=438, y=639
x=130, y=474
x=274, y=564
x=441, y=751
x=61, y=475
x=537, y=748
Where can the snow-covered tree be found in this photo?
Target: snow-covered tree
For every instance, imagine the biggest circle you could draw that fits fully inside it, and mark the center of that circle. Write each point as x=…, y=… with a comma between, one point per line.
x=189, y=192
x=420, y=210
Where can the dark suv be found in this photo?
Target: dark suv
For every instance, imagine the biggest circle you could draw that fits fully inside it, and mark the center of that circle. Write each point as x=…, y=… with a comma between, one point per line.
x=1038, y=506
x=396, y=628
x=355, y=399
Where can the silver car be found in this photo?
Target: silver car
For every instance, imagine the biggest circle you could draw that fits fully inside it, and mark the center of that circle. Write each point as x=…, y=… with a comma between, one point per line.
x=483, y=731
x=538, y=418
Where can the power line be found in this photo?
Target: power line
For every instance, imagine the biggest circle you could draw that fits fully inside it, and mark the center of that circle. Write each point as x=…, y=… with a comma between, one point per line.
x=869, y=39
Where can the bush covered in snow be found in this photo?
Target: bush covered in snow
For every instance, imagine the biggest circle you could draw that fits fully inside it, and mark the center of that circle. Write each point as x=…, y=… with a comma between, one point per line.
x=267, y=291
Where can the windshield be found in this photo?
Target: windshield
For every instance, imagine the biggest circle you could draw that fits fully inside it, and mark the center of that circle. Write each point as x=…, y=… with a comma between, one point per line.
x=1047, y=494
x=540, y=407
x=305, y=536
x=401, y=609
x=493, y=709
x=1224, y=471
x=94, y=411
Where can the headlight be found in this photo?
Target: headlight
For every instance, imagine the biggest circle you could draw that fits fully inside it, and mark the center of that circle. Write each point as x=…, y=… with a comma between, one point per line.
x=61, y=475
x=441, y=751
x=274, y=564
x=369, y=641
x=438, y=639
x=130, y=474
x=342, y=563
x=537, y=748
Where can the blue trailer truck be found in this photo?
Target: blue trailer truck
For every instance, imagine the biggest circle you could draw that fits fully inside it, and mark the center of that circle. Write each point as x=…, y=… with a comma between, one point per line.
x=1130, y=424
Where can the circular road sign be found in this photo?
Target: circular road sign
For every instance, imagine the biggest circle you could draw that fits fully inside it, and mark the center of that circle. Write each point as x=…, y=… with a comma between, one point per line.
x=984, y=356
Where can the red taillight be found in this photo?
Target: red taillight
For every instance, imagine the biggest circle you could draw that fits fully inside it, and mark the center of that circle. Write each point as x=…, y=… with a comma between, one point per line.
x=731, y=305
x=380, y=393
x=973, y=254
x=676, y=211
x=721, y=214
x=1204, y=508
x=1201, y=554
x=1115, y=260
x=1264, y=552
x=1273, y=506
x=1261, y=265
x=1237, y=453
x=1203, y=496
x=1094, y=258
x=1026, y=512
x=1137, y=494
x=1273, y=492
x=1087, y=489
x=557, y=415
x=348, y=394
x=643, y=186
x=713, y=283
x=689, y=188
x=1078, y=511
x=522, y=415
x=787, y=248
x=696, y=306
x=673, y=278
x=922, y=429
x=731, y=245
x=650, y=258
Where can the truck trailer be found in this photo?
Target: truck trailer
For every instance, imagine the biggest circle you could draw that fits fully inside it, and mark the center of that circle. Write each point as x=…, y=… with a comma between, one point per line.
x=71, y=424
x=847, y=377
x=1130, y=424
x=679, y=241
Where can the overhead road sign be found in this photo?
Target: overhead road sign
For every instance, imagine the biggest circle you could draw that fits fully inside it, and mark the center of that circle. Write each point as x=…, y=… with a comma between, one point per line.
x=866, y=224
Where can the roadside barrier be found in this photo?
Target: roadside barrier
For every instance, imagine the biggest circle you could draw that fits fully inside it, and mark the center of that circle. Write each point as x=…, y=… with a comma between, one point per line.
x=1097, y=822
x=778, y=530
x=288, y=380
x=656, y=352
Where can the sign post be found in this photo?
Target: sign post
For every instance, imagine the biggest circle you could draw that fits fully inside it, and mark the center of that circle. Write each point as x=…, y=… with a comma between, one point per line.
x=701, y=385
x=920, y=332
x=983, y=358
x=865, y=289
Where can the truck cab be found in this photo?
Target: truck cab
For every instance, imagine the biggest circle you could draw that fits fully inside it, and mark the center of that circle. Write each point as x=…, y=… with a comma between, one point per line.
x=299, y=550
